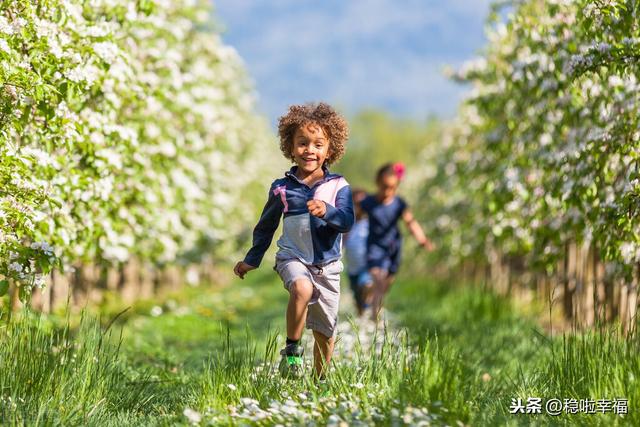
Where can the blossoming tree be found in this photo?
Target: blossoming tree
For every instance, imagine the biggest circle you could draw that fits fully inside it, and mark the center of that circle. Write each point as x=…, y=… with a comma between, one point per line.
x=123, y=125
x=544, y=152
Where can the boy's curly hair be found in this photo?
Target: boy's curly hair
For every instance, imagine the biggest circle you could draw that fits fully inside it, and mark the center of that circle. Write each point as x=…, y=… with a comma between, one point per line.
x=332, y=123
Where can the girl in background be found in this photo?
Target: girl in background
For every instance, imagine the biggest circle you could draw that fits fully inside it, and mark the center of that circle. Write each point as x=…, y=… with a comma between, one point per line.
x=355, y=245
x=384, y=243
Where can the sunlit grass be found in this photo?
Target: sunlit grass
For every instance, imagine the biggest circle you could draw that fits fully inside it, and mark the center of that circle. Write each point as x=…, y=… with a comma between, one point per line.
x=505, y=355
x=56, y=376
x=448, y=355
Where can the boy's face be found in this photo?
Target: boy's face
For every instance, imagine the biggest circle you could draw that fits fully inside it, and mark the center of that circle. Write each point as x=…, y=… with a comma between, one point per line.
x=310, y=147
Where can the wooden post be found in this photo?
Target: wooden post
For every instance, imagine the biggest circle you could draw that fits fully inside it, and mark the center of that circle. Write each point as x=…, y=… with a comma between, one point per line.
x=611, y=294
x=78, y=291
x=14, y=299
x=93, y=276
x=146, y=281
x=131, y=280
x=508, y=265
x=37, y=299
x=493, y=269
x=633, y=309
x=589, y=289
x=170, y=278
x=632, y=297
x=613, y=289
x=540, y=286
x=46, y=304
x=60, y=289
x=113, y=279
x=569, y=280
x=500, y=274
x=600, y=292
x=584, y=284
x=85, y=278
x=624, y=306
x=479, y=273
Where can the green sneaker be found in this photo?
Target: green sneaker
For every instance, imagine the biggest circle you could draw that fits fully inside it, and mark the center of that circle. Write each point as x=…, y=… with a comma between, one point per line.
x=291, y=364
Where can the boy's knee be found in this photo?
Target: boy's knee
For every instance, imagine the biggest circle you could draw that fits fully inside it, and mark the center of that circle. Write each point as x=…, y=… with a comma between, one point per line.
x=301, y=289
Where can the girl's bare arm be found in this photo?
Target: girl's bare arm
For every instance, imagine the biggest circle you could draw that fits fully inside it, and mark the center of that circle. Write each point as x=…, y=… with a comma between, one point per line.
x=416, y=230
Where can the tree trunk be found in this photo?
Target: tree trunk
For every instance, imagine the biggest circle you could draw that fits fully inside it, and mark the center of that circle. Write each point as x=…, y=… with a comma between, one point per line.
x=60, y=290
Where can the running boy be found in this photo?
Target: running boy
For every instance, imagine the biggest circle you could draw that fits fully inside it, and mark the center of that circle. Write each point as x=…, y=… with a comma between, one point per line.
x=355, y=245
x=384, y=243
x=317, y=207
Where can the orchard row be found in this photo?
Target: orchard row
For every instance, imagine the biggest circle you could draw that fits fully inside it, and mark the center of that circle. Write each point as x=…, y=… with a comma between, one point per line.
x=544, y=153
x=127, y=129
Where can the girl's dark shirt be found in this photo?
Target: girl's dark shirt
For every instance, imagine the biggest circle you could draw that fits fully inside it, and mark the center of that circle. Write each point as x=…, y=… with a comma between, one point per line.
x=383, y=221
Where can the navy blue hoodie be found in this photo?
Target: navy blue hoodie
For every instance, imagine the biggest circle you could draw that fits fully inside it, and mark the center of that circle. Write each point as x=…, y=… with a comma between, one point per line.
x=312, y=240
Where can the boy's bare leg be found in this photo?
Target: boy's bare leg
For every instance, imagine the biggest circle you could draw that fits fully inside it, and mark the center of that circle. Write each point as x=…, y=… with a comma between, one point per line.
x=322, y=351
x=300, y=293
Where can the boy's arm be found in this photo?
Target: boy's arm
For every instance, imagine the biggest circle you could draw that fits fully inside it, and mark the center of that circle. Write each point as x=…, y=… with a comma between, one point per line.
x=263, y=231
x=341, y=216
x=416, y=230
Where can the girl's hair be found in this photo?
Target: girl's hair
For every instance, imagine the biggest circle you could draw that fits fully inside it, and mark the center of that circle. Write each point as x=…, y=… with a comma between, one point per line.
x=396, y=169
x=332, y=123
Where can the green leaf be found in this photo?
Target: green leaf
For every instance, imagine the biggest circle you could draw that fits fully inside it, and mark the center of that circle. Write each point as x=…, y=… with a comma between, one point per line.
x=4, y=287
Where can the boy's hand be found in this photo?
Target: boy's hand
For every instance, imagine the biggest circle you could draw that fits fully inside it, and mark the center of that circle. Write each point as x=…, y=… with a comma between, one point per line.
x=317, y=208
x=242, y=268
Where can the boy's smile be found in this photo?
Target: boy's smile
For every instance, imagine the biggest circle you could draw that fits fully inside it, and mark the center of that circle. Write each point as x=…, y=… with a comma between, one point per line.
x=310, y=149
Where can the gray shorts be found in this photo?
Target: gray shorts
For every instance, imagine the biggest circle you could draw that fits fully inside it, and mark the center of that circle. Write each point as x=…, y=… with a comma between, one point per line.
x=322, y=314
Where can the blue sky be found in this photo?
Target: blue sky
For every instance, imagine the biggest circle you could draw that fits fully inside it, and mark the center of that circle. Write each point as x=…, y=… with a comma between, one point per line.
x=356, y=54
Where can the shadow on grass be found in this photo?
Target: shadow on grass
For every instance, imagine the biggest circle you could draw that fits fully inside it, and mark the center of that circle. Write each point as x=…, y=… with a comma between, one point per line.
x=201, y=323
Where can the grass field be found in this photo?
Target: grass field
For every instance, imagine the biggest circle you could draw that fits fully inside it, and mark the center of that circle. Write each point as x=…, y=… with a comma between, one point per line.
x=449, y=355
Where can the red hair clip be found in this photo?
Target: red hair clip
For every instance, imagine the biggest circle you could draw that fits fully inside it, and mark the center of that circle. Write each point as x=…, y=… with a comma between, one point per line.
x=398, y=169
